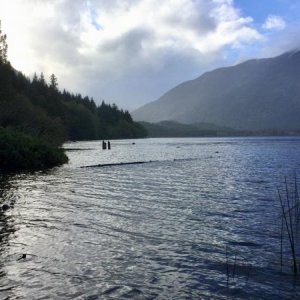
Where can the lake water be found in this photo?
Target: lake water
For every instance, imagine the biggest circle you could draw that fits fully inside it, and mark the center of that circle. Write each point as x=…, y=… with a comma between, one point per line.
x=200, y=221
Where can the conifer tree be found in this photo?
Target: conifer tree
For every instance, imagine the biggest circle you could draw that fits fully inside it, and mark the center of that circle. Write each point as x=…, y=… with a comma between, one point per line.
x=53, y=82
x=42, y=79
x=3, y=47
x=35, y=78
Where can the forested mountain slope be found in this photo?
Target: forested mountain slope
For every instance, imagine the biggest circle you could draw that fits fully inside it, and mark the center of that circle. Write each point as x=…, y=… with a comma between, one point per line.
x=254, y=95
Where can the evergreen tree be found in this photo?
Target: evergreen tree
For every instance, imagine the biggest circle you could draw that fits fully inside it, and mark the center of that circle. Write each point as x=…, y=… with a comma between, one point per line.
x=42, y=111
x=42, y=79
x=53, y=82
x=3, y=47
x=35, y=78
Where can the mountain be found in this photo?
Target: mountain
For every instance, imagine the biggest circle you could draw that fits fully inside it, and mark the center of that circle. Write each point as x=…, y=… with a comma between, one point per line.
x=258, y=94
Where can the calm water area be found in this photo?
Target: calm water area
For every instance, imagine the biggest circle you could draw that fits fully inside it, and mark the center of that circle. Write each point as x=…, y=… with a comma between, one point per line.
x=199, y=220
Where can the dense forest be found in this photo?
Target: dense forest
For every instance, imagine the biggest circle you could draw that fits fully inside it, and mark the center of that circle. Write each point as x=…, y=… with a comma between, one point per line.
x=38, y=109
x=41, y=109
x=176, y=129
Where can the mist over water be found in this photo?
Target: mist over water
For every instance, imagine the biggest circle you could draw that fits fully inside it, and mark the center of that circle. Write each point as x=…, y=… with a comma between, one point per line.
x=159, y=230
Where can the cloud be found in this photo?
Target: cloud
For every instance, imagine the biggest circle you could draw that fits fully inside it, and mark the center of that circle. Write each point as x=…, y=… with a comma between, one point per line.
x=286, y=41
x=274, y=23
x=128, y=51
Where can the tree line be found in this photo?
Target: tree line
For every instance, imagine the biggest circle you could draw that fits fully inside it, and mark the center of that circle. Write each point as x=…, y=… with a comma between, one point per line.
x=39, y=108
x=36, y=118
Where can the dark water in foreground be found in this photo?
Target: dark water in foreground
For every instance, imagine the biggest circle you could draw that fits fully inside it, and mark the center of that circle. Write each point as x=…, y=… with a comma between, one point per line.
x=153, y=231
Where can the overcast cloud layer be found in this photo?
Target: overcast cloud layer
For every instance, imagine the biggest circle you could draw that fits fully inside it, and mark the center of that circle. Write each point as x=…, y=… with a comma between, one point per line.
x=130, y=52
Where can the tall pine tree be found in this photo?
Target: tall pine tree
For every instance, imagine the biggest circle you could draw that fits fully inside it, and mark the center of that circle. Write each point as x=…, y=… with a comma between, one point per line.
x=3, y=47
x=53, y=82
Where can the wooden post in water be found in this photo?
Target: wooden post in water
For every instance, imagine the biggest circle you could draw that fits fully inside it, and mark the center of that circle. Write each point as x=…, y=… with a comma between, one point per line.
x=108, y=145
x=103, y=145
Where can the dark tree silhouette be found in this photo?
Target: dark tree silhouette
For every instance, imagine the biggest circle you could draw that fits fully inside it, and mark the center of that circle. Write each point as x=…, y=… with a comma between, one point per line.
x=42, y=110
x=53, y=82
x=3, y=47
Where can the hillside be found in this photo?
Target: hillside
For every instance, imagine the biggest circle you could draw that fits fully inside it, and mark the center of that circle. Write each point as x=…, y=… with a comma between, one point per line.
x=39, y=108
x=36, y=118
x=175, y=129
x=255, y=95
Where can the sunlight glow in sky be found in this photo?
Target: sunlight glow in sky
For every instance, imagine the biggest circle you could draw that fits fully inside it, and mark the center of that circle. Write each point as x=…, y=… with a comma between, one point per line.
x=131, y=52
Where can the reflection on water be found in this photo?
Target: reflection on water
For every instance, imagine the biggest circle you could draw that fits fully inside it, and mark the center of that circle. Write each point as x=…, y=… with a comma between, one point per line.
x=7, y=229
x=199, y=221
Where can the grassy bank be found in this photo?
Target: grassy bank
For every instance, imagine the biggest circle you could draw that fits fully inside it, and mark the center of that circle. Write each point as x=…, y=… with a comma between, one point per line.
x=19, y=151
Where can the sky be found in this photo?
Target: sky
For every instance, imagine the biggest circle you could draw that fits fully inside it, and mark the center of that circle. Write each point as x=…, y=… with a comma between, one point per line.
x=131, y=52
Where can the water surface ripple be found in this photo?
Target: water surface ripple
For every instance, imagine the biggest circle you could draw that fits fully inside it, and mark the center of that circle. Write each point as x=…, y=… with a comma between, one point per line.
x=159, y=230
